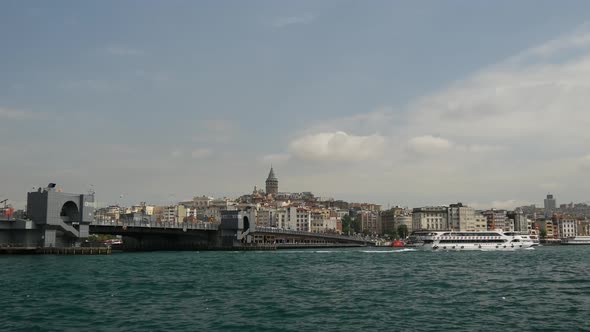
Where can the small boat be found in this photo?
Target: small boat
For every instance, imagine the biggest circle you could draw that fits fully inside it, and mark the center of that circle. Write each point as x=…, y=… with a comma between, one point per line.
x=398, y=243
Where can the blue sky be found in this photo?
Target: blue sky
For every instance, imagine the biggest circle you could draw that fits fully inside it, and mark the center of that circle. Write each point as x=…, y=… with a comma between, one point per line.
x=385, y=101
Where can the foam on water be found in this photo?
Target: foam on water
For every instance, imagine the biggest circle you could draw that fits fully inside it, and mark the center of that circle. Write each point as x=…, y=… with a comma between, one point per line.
x=387, y=251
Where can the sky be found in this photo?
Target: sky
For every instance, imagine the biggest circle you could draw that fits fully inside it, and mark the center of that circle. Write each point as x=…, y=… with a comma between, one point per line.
x=406, y=103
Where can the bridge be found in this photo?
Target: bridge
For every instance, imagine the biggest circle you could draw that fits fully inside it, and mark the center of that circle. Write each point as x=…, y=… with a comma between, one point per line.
x=65, y=220
x=151, y=235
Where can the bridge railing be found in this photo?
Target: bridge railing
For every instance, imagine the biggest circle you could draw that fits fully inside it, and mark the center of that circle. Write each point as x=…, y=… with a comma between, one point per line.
x=157, y=224
x=293, y=232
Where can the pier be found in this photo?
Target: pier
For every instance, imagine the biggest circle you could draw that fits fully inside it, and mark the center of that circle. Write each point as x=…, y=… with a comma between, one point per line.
x=25, y=250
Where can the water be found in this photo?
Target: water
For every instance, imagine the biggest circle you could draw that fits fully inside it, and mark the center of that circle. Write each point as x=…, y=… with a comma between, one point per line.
x=546, y=289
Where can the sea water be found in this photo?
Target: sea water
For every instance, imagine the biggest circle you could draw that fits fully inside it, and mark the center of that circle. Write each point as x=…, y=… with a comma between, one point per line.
x=353, y=289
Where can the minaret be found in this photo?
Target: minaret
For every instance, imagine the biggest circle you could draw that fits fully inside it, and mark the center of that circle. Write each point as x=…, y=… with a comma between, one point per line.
x=272, y=184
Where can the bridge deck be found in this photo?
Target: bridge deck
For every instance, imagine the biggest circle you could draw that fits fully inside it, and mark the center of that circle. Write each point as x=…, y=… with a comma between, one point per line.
x=127, y=227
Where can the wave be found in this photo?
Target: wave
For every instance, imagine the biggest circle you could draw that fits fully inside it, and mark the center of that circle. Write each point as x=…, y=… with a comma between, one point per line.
x=387, y=251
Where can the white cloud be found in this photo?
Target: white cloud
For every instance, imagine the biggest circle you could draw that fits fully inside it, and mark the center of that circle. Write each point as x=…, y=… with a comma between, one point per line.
x=337, y=146
x=282, y=22
x=579, y=38
x=428, y=145
x=514, y=128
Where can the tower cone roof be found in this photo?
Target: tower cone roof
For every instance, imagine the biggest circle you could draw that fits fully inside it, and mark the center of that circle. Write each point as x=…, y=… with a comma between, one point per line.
x=271, y=175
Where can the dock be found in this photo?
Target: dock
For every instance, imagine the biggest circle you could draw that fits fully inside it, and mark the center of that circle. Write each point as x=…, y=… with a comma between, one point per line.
x=55, y=251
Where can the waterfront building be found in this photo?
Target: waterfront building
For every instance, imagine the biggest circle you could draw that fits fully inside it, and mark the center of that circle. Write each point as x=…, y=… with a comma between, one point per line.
x=321, y=224
x=390, y=220
x=369, y=221
x=430, y=218
x=303, y=219
x=264, y=217
x=406, y=220
x=461, y=217
x=583, y=227
x=297, y=219
x=566, y=226
x=172, y=213
x=481, y=222
x=280, y=219
x=547, y=226
x=519, y=220
x=272, y=183
x=496, y=219
x=456, y=217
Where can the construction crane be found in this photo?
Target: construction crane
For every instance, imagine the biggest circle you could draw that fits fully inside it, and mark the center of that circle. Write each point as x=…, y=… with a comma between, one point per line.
x=5, y=203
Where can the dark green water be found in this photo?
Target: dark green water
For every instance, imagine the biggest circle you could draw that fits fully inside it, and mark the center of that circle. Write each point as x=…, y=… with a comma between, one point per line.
x=546, y=289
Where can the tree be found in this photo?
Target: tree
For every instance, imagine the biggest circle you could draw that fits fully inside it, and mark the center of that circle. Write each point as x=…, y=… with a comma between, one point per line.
x=357, y=226
x=346, y=224
x=543, y=233
x=402, y=231
x=393, y=234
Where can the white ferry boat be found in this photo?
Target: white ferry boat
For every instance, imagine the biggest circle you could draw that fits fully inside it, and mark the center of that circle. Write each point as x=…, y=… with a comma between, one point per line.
x=576, y=240
x=416, y=239
x=483, y=240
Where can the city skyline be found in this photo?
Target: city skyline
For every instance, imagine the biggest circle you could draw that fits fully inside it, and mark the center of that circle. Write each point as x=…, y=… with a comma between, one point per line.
x=370, y=103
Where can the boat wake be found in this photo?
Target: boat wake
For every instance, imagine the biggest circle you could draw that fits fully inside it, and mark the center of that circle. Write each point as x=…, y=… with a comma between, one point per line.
x=387, y=251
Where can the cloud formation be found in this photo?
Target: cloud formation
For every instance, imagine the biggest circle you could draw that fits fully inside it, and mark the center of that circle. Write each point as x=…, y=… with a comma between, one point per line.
x=503, y=134
x=337, y=146
x=428, y=145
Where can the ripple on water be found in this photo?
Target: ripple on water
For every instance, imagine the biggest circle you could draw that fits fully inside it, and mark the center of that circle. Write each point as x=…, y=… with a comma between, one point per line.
x=300, y=290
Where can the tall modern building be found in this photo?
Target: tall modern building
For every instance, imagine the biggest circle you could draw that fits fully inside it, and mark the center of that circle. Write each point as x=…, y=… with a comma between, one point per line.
x=550, y=203
x=272, y=184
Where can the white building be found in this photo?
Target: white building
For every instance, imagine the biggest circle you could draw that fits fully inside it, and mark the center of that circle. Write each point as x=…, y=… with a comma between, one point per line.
x=173, y=213
x=566, y=227
x=303, y=220
x=430, y=218
x=324, y=225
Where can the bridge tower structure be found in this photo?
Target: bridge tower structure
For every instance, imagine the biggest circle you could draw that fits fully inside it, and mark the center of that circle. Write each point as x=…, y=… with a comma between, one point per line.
x=61, y=219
